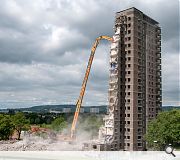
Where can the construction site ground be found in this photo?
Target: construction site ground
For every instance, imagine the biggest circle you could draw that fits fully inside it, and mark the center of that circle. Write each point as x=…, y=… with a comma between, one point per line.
x=38, y=144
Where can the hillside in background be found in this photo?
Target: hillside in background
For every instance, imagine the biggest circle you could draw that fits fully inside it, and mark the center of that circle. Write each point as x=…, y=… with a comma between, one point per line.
x=59, y=109
x=70, y=109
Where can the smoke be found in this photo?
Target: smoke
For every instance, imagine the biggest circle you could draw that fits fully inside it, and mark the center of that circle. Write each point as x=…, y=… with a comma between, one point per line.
x=88, y=127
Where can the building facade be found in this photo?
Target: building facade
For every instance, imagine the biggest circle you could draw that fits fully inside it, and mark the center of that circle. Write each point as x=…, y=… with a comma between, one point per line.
x=135, y=81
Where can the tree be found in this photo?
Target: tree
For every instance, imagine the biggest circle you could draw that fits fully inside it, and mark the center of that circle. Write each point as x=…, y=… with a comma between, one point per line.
x=164, y=129
x=20, y=122
x=6, y=127
x=58, y=124
x=37, y=120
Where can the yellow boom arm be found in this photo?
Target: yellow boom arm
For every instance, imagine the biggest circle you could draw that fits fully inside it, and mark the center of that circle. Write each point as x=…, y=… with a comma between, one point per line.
x=83, y=88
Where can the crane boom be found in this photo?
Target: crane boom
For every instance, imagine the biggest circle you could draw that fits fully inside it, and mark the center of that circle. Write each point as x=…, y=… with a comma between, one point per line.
x=83, y=87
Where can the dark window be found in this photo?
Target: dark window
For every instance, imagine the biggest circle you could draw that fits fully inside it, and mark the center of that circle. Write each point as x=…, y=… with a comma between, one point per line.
x=129, y=18
x=128, y=115
x=129, y=72
x=129, y=51
x=129, y=25
x=129, y=38
x=94, y=147
x=139, y=130
x=139, y=144
x=129, y=31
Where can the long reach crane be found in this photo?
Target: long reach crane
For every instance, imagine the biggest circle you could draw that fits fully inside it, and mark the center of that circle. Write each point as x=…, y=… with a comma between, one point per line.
x=83, y=88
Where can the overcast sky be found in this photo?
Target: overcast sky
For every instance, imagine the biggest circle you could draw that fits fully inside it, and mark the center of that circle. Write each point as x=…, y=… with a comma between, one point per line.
x=45, y=46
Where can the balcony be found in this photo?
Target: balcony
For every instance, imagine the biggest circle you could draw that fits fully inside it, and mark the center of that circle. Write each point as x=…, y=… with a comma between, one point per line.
x=140, y=97
x=158, y=31
x=159, y=61
x=158, y=36
x=159, y=67
x=158, y=49
x=158, y=74
x=159, y=81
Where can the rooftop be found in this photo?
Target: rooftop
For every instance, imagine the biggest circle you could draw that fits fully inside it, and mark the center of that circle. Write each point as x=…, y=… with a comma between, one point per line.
x=135, y=9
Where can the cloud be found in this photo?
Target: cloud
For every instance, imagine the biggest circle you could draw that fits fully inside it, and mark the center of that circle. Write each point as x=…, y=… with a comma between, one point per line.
x=45, y=46
x=170, y=80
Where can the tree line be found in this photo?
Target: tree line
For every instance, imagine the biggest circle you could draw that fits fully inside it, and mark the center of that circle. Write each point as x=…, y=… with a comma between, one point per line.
x=9, y=123
x=18, y=122
x=163, y=130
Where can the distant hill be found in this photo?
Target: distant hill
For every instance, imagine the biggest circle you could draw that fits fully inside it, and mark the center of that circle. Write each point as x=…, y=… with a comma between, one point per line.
x=59, y=109
x=167, y=108
x=45, y=108
x=70, y=109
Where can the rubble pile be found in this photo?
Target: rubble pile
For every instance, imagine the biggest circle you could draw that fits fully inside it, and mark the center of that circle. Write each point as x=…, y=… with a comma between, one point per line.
x=20, y=146
x=38, y=144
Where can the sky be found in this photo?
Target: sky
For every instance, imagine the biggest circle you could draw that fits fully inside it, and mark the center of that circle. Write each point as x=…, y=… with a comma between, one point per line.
x=45, y=46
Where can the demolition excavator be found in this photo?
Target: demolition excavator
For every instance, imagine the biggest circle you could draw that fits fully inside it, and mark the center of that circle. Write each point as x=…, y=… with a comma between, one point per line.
x=83, y=87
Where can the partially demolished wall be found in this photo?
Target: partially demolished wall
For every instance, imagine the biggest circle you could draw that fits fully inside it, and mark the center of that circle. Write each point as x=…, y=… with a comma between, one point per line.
x=112, y=129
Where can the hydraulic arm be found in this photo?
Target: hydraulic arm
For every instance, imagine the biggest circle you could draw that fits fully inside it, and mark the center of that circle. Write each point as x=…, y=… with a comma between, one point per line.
x=83, y=88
